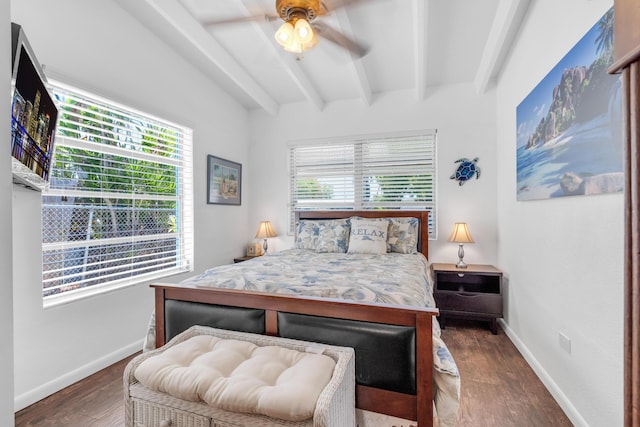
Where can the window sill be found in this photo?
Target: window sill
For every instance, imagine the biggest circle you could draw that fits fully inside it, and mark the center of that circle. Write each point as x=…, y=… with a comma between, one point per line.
x=98, y=290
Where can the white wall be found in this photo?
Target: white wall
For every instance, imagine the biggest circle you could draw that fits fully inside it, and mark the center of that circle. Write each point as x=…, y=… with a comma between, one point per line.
x=466, y=128
x=96, y=46
x=6, y=290
x=563, y=257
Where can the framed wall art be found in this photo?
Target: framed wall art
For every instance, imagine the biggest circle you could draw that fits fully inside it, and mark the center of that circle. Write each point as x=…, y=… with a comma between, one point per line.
x=569, y=140
x=224, y=181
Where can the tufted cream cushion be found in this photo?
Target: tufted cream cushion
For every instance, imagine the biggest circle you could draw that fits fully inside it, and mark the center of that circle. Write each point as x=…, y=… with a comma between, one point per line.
x=239, y=376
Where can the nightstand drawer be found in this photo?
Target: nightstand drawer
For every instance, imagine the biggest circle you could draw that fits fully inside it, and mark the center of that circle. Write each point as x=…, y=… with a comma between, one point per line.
x=470, y=302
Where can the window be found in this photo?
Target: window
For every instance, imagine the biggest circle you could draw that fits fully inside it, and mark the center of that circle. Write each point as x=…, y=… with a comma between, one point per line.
x=371, y=172
x=119, y=209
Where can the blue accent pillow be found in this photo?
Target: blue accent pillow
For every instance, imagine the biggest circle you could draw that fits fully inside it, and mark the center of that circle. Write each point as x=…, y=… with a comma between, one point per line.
x=307, y=234
x=333, y=236
x=403, y=235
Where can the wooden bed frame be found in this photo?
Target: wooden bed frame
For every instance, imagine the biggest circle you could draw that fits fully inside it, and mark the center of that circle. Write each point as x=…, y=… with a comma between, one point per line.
x=416, y=407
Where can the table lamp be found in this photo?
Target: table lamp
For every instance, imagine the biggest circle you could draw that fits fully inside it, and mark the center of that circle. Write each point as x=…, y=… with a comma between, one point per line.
x=264, y=232
x=460, y=235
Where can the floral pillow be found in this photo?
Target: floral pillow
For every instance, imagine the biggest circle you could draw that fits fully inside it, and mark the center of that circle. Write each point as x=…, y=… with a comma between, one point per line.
x=307, y=234
x=403, y=235
x=333, y=236
x=368, y=236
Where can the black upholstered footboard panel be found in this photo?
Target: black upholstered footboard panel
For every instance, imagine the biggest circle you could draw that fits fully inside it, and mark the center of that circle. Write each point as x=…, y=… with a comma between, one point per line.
x=181, y=315
x=385, y=354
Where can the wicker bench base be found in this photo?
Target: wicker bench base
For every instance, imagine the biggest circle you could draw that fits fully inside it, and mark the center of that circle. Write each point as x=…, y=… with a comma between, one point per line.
x=145, y=407
x=151, y=408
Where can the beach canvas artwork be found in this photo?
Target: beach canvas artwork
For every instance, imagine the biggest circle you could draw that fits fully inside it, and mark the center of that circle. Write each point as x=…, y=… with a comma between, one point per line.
x=569, y=128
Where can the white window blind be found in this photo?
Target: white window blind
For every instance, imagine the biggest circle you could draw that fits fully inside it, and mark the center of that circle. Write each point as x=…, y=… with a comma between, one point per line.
x=372, y=172
x=119, y=209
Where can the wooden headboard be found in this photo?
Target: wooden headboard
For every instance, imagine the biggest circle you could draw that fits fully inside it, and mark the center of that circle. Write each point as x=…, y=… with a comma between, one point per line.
x=423, y=216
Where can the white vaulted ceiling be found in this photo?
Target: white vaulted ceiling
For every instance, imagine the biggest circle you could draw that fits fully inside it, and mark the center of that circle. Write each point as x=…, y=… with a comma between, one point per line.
x=412, y=45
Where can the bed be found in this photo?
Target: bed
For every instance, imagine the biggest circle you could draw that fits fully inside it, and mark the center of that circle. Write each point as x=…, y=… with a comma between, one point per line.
x=402, y=365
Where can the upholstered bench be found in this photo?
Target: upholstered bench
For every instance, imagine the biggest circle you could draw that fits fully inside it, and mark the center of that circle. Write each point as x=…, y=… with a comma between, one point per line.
x=218, y=378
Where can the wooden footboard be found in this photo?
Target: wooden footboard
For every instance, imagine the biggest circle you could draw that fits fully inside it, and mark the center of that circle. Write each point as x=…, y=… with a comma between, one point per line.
x=418, y=406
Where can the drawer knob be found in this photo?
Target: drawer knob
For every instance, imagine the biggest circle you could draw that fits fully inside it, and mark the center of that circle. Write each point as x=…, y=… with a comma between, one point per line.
x=165, y=423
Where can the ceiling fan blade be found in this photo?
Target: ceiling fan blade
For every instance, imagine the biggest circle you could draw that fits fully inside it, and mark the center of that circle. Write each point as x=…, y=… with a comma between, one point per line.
x=240, y=19
x=334, y=36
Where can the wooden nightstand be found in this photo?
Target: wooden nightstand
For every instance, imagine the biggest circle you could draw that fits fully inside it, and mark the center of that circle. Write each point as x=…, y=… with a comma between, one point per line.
x=474, y=292
x=243, y=258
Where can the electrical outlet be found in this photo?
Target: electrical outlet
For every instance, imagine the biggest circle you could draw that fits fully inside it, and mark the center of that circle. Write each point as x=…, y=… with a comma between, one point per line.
x=565, y=342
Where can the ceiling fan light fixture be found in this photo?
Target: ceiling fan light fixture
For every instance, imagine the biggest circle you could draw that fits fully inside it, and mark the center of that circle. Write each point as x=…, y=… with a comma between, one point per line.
x=303, y=31
x=311, y=43
x=293, y=47
x=296, y=36
x=285, y=35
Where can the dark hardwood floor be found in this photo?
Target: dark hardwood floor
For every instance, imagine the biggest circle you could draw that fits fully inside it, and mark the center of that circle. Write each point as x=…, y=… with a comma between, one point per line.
x=498, y=388
x=97, y=401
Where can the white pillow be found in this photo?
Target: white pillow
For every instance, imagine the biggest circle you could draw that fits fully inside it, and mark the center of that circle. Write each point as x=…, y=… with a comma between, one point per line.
x=368, y=236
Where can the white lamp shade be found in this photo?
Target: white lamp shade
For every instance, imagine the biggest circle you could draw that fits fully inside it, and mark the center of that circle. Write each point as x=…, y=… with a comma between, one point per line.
x=265, y=230
x=460, y=233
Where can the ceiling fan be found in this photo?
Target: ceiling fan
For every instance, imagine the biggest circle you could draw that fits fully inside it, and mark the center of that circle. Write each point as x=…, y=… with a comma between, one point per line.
x=300, y=30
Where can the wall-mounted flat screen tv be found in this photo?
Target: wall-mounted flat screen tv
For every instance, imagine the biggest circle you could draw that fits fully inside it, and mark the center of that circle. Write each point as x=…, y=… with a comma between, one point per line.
x=33, y=116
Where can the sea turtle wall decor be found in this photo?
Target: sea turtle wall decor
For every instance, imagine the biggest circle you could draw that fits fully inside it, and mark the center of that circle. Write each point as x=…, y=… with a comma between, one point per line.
x=466, y=170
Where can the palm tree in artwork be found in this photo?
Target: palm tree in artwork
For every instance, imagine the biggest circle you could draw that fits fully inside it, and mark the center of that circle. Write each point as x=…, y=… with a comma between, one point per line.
x=604, y=41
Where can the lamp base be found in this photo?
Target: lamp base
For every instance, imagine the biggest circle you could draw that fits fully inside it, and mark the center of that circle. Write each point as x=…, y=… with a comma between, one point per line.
x=461, y=263
x=265, y=246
